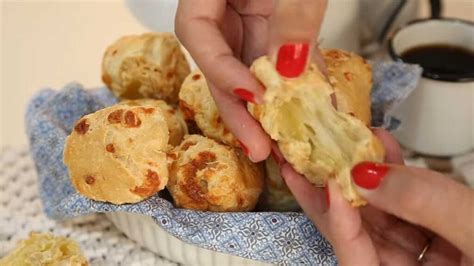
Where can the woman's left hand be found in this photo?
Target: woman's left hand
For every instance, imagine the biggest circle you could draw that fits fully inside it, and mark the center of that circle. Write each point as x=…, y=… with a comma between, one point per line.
x=410, y=209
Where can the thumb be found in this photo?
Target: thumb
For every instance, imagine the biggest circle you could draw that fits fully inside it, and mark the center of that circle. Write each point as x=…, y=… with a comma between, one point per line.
x=294, y=28
x=422, y=197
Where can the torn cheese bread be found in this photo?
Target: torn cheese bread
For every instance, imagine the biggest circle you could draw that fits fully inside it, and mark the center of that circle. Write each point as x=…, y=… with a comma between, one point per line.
x=317, y=139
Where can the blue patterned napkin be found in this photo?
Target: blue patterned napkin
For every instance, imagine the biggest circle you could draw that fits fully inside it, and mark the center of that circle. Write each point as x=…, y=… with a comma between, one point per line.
x=283, y=238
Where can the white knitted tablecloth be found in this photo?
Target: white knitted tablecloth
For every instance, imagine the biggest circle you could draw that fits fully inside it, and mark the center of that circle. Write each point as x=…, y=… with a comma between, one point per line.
x=21, y=212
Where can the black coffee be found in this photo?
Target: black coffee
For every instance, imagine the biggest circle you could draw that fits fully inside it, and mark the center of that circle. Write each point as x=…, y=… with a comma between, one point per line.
x=441, y=59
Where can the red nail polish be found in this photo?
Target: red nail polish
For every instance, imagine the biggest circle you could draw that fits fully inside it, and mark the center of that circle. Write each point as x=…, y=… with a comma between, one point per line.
x=292, y=59
x=368, y=175
x=245, y=95
x=328, y=198
x=244, y=148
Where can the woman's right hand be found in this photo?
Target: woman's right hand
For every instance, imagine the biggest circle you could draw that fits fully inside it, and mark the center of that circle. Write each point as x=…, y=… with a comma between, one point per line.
x=224, y=37
x=410, y=212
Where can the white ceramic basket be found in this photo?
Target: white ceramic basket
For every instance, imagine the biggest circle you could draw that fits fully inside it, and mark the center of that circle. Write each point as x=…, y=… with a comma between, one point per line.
x=147, y=233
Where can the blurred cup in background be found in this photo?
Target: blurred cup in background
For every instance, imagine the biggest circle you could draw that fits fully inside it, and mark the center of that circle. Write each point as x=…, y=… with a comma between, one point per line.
x=438, y=117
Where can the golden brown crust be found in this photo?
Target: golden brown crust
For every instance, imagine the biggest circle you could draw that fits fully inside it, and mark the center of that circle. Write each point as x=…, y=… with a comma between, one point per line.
x=318, y=140
x=196, y=103
x=121, y=157
x=150, y=65
x=174, y=118
x=206, y=175
x=351, y=77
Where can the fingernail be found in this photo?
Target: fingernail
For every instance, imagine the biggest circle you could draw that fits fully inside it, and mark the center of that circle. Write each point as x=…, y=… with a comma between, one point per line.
x=245, y=95
x=368, y=175
x=291, y=59
x=328, y=198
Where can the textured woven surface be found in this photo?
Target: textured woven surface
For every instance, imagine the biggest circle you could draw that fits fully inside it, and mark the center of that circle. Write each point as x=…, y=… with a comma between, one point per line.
x=21, y=212
x=284, y=238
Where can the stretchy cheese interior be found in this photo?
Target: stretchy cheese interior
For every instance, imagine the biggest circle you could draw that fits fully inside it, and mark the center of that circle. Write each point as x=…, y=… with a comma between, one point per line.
x=317, y=139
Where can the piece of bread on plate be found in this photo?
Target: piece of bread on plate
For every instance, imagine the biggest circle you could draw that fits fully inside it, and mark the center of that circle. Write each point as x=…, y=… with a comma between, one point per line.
x=118, y=154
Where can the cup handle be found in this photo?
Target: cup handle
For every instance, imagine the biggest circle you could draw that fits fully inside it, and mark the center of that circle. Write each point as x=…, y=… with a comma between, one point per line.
x=436, y=10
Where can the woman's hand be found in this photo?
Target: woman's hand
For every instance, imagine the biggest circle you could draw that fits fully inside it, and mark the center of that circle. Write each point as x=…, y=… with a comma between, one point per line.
x=409, y=209
x=224, y=37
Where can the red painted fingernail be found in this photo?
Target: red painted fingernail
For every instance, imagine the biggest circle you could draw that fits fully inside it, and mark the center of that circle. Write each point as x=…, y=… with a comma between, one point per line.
x=244, y=148
x=368, y=175
x=328, y=198
x=245, y=95
x=292, y=59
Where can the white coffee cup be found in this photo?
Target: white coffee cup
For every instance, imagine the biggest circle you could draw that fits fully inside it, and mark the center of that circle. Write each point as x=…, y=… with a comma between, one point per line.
x=438, y=117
